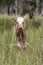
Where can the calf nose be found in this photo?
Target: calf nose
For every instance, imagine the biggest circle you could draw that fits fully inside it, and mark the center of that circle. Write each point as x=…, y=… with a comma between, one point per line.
x=20, y=25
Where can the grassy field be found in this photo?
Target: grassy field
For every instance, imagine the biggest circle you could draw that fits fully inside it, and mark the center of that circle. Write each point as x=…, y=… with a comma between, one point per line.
x=8, y=43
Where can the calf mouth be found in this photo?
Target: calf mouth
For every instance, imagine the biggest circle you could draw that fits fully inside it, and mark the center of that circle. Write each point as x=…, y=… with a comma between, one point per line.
x=20, y=33
x=20, y=29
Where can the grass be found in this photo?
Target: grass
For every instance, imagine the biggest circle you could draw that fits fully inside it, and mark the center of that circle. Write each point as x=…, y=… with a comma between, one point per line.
x=34, y=39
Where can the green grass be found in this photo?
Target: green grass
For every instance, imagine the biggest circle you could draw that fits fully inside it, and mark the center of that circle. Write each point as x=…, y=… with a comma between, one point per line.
x=34, y=39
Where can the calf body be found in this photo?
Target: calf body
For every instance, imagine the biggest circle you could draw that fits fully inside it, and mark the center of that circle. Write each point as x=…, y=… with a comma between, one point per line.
x=21, y=33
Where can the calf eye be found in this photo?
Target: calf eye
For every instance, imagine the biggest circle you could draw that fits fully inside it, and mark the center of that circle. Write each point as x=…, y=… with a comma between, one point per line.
x=22, y=22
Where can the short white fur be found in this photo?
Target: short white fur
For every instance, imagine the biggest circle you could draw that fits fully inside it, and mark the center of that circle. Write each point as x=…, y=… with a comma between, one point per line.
x=20, y=20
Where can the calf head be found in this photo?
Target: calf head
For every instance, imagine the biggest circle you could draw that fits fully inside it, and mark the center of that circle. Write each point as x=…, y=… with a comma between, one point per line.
x=20, y=21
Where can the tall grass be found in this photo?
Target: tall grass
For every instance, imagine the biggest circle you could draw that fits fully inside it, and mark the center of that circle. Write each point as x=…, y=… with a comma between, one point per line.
x=34, y=39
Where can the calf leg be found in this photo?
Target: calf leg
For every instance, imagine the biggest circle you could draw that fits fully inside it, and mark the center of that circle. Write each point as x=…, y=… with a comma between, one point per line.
x=19, y=45
x=24, y=39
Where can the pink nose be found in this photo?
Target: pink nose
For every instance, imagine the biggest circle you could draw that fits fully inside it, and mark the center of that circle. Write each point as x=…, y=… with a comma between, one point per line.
x=20, y=25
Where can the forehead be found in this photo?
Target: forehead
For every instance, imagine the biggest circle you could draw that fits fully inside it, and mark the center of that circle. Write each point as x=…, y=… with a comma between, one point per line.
x=20, y=20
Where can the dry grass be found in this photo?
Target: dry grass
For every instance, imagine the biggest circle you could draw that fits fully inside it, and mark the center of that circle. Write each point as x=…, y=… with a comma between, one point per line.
x=8, y=44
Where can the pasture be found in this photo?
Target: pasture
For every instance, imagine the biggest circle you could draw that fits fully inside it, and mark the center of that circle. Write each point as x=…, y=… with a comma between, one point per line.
x=8, y=44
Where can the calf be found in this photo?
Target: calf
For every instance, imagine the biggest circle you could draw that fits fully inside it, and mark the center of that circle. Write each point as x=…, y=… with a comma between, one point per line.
x=20, y=32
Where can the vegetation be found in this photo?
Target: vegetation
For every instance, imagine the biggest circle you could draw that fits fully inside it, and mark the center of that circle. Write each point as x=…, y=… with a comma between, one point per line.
x=23, y=6
x=8, y=44
x=34, y=32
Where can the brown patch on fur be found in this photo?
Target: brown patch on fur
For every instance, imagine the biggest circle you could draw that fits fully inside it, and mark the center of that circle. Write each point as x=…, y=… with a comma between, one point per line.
x=21, y=36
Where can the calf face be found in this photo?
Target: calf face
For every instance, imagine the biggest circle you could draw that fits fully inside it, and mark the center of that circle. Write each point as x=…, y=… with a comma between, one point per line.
x=20, y=21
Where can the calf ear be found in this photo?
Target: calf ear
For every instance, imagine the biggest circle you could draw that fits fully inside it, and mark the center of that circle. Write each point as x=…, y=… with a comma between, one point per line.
x=25, y=16
x=14, y=20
